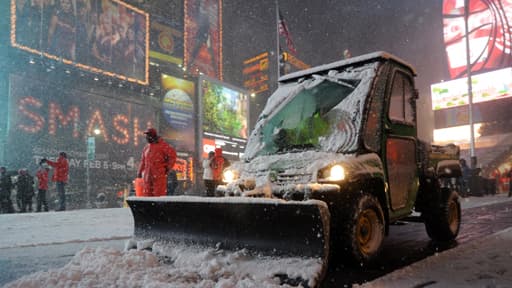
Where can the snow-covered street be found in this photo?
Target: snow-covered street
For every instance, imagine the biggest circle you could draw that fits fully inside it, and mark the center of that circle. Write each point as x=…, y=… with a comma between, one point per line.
x=31, y=229
x=482, y=263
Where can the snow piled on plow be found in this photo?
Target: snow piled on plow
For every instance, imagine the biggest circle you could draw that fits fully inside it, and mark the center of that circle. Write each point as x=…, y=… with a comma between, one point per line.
x=176, y=266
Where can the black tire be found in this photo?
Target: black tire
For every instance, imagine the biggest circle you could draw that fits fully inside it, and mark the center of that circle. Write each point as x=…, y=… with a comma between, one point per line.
x=363, y=229
x=443, y=221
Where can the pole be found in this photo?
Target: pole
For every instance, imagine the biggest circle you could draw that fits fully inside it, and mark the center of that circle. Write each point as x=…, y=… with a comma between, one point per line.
x=278, y=50
x=470, y=86
x=88, y=204
x=91, y=151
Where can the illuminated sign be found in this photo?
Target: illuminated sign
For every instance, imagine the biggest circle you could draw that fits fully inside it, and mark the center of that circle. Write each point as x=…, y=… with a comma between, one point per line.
x=460, y=136
x=296, y=62
x=184, y=166
x=167, y=42
x=108, y=36
x=203, y=37
x=225, y=110
x=456, y=135
x=490, y=36
x=177, y=119
x=233, y=148
x=255, y=73
x=486, y=87
x=224, y=115
x=48, y=119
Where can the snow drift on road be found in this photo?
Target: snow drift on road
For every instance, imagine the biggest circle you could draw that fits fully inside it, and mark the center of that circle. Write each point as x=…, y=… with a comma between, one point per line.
x=174, y=266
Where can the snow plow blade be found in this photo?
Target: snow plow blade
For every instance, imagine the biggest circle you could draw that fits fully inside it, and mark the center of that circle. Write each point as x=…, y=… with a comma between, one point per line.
x=265, y=226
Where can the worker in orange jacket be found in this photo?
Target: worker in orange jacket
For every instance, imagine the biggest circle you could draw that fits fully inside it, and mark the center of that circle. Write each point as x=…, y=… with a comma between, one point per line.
x=157, y=160
x=218, y=163
x=60, y=176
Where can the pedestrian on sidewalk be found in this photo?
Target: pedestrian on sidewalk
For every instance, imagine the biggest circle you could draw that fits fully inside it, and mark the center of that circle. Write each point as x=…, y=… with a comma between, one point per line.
x=42, y=185
x=464, y=179
x=60, y=176
x=25, y=190
x=209, y=183
x=510, y=183
x=5, y=192
x=217, y=165
x=172, y=182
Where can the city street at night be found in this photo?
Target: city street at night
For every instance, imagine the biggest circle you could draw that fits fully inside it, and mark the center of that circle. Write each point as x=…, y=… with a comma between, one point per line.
x=23, y=254
x=248, y=144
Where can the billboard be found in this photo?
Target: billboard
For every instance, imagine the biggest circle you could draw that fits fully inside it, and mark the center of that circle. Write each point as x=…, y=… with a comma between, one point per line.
x=102, y=36
x=203, y=37
x=457, y=135
x=485, y=87
x=490, y=37
x=255, y=71
x=184, y=168
x=224, y=114
x=177, y=121
x=45, y=119
x=166, y=41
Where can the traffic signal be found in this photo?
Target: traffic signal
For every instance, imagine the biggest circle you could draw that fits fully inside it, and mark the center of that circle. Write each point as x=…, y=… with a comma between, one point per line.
x=283, y=58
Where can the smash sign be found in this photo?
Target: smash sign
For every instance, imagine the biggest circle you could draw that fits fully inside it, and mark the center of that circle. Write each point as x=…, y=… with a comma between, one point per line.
x=42, y=117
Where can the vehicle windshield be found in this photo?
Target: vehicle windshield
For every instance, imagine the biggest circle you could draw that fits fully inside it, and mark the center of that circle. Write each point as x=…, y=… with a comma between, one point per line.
x=315, y=113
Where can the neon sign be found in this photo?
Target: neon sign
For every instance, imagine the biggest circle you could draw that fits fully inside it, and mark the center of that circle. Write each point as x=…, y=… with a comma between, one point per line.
x=121, y=131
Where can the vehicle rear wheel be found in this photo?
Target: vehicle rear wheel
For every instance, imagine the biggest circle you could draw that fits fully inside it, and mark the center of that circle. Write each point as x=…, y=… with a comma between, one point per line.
x=363, y=230
x=443, y=222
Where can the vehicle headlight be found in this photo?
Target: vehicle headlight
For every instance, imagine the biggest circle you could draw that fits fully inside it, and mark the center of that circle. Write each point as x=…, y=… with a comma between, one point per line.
x=337, y=173
x=228, y=176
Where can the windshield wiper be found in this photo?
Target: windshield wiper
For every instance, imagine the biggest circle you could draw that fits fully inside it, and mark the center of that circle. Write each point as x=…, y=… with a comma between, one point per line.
x=296, y=147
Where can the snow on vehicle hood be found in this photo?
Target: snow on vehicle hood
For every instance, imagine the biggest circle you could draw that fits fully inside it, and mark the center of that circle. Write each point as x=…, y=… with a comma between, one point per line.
x=305, y=165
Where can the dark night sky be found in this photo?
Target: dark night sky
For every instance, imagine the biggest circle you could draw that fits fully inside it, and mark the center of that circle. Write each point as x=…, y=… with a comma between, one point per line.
x=322, y=29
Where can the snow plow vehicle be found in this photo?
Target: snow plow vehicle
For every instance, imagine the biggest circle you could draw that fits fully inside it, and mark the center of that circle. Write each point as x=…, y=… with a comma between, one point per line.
x=333, y=160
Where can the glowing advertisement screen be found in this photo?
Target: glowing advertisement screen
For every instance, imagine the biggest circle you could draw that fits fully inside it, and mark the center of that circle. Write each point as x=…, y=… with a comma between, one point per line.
x=485, y=87
x=490, y=37
x=102, y=36
x=177, y=119
x=44, y=120
x=167, y=41
x=203, y=37
x=225, y=113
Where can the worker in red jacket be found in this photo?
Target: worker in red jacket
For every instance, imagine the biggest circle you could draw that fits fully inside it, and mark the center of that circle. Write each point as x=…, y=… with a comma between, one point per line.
x=42, y=185
x=60, y=176
x=157, y=160
x=217, y=165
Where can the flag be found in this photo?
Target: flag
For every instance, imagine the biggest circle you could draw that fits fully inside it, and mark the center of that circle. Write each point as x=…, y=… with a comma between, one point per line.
x=283, y=31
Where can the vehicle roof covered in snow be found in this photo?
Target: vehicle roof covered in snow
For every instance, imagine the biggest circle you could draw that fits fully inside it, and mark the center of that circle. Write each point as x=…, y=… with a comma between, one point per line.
x=346, y=62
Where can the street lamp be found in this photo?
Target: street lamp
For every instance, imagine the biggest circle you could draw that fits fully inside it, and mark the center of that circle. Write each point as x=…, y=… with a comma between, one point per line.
x=91, y=151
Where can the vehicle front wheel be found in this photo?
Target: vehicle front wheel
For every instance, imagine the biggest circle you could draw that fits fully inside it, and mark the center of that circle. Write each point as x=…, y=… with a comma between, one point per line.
x=363, y=231
x=443, y=221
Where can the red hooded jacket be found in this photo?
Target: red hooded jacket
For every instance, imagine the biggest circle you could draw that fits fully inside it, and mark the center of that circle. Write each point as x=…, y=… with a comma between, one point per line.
x=217, y=164
x=157, y=159
x=61, y=169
